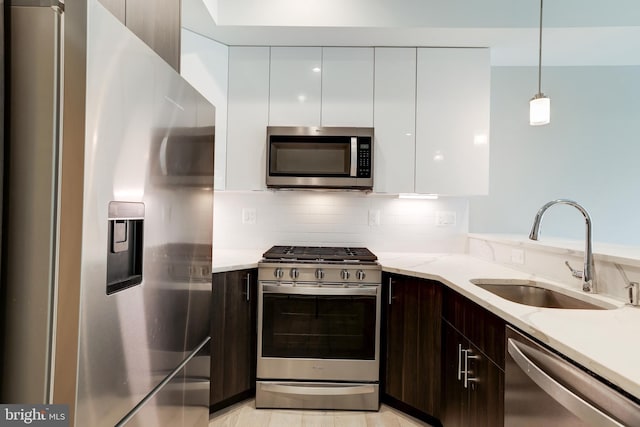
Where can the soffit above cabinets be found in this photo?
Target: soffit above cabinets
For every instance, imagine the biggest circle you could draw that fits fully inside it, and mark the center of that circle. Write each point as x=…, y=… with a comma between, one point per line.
x=576, y=32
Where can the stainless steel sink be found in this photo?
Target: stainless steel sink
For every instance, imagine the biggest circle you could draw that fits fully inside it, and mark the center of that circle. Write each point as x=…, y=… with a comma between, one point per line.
x=533, y=293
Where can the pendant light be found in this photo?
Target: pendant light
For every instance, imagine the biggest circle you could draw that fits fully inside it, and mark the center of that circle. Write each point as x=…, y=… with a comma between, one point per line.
x=539, y=105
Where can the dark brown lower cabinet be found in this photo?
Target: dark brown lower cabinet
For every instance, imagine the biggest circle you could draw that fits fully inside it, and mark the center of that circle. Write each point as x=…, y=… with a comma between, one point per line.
x=412, y=310
x=455, y=400
x=233, y=337
x=472, y=365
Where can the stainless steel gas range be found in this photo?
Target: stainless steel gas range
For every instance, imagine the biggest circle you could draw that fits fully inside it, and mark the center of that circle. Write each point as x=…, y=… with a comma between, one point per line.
x=318, y=328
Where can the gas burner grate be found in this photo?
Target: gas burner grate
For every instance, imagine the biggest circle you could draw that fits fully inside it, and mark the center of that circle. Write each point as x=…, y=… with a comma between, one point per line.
x=320, y=253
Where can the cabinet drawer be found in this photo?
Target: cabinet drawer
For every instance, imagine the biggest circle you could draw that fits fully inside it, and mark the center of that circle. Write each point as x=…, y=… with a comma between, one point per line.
x=483, y=328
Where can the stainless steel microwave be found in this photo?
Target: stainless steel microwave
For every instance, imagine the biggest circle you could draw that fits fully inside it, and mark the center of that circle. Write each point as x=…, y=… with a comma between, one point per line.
x=320, y=157
x=183, y=156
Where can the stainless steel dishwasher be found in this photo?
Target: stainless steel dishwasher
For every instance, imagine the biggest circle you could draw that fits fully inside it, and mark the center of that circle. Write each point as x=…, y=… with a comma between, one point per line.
x=544, y=389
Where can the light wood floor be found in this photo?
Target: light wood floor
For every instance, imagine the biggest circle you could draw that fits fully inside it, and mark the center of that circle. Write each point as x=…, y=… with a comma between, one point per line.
x=245, y=414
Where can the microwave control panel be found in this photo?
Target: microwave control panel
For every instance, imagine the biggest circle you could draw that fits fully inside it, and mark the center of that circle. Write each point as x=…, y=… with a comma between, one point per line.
x=364, y=157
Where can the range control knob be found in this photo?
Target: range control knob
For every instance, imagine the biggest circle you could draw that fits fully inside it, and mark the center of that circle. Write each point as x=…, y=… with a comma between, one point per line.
x=294, y=273
x=319, y=274
x=345, y=275
x=360, y=275
x=278, y=273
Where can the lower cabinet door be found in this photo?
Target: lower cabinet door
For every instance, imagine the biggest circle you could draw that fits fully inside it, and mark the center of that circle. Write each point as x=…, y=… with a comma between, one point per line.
x=486, y=391
x=413, y=342
x=472, y=385
x=233, y=335
x=455, y=401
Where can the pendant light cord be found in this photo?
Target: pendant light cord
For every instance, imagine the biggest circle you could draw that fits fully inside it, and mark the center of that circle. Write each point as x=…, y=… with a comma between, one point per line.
x=540, y=53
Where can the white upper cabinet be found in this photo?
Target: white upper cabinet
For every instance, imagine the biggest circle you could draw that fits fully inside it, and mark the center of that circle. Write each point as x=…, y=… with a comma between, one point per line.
x=429, y=108
x=347, y=86
x=248, y=114
x=295, y=78
x=394, y=120
x=452, y=121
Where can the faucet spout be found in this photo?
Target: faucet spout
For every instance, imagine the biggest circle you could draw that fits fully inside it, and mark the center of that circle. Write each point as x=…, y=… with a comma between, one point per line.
x=587, y=274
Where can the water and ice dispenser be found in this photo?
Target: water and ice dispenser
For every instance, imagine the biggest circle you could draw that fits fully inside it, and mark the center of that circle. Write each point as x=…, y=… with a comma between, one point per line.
x=126, y=245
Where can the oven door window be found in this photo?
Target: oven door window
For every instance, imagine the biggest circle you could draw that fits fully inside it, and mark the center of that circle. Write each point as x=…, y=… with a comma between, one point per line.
x=289, y=156
x=319, y=327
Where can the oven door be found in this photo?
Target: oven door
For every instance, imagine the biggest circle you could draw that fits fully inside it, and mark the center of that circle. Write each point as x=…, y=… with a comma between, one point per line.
x=327, y=333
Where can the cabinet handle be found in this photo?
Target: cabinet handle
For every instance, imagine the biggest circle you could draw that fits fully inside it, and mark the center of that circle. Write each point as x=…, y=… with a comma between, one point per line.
x=390, y=290
x=468, y=354
x=466, y=367
x=460, y=362
x=248, y=286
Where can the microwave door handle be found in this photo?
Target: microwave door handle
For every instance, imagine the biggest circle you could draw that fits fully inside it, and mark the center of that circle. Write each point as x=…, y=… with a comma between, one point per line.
x=354, y=156
x=163, y=155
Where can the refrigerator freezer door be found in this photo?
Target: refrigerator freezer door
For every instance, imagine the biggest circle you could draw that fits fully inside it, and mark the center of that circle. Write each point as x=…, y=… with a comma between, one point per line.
x=182, y=401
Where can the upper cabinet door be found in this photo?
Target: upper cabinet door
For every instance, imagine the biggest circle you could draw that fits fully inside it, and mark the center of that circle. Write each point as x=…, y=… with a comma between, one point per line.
x=247, y=115
x=295, y=78
x=395, y=120
x=452, y=121
x=347, y=86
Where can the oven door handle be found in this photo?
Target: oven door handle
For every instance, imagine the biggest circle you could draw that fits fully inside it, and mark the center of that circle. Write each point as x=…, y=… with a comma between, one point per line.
x=316, y=290
x=318, y=391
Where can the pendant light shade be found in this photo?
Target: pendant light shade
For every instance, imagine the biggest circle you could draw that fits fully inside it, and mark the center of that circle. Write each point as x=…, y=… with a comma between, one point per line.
x=539, y=110
x=539, y=105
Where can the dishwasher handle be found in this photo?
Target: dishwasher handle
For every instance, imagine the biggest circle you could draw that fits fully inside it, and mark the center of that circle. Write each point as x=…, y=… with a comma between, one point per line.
x=574, y=403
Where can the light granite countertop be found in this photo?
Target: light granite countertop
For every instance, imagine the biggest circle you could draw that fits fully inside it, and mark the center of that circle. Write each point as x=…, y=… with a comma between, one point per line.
x=603, y=341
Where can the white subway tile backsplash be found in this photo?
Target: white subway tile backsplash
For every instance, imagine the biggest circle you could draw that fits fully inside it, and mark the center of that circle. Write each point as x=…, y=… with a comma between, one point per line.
x=337, y=218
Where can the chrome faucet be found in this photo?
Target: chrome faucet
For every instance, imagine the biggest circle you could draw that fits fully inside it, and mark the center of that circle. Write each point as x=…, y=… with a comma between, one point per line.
x=588, y=273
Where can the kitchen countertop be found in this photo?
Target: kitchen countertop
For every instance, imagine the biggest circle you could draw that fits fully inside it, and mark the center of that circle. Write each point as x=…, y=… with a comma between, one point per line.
x=603, y=341
x=235, y=259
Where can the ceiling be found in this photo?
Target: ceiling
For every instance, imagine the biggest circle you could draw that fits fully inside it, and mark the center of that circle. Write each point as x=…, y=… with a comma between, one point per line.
x=575, y=32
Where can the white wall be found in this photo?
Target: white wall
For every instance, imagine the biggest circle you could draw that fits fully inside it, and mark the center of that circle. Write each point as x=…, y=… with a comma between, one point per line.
x=589, y=152
x=337, y=218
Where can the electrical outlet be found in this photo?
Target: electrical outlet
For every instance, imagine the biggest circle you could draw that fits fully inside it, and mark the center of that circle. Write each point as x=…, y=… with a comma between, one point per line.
x=445, y=218
x=249, y=215
x=374, y=217
x=517, y=256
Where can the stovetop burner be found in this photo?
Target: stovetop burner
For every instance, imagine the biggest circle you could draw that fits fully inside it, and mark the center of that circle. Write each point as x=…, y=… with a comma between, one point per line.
x=319, y=253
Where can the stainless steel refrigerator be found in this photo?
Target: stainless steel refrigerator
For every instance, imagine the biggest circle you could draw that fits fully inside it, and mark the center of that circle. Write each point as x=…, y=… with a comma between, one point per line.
x=108, y=208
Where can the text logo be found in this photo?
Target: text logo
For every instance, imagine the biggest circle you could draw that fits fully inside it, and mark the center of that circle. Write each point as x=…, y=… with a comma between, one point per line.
x=34, y=415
